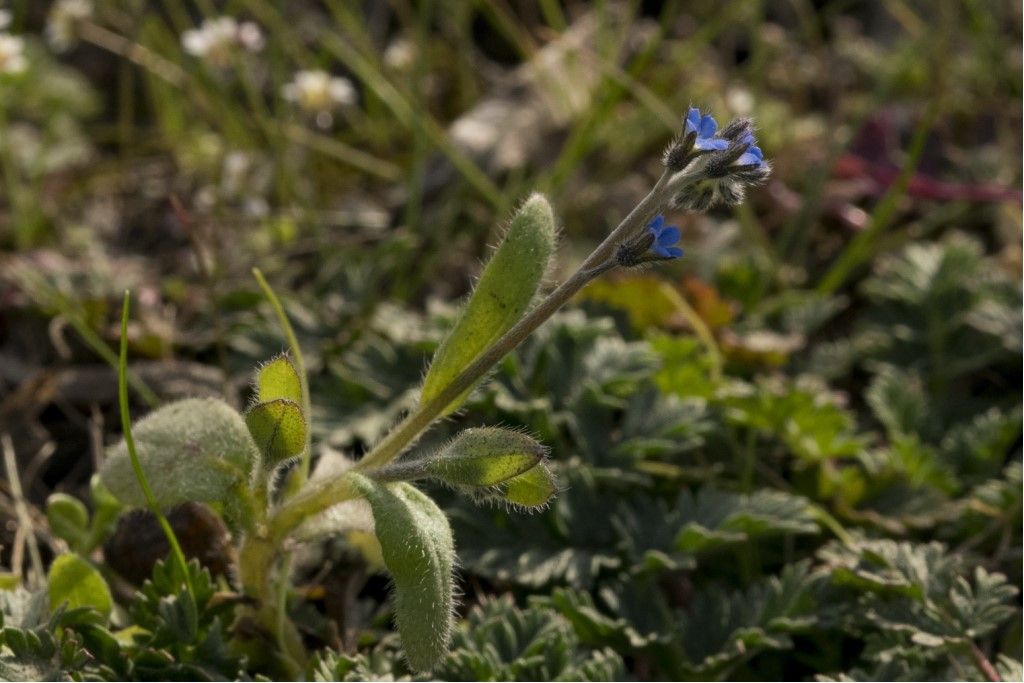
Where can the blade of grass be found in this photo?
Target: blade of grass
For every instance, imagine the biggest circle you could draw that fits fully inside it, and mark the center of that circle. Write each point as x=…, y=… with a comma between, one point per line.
x=700, y=328
x=129, y=442
x=859, y=249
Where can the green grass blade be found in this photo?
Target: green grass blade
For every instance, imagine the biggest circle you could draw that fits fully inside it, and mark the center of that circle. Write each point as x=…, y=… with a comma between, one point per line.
x=129, y=440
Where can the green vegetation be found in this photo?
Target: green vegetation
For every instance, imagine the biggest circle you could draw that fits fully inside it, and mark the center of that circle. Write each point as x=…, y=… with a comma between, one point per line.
x=415, y=385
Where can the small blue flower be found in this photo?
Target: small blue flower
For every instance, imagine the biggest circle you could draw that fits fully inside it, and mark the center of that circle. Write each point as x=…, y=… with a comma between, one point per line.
x=665, y=237
x=704, y=127
x=753, y=156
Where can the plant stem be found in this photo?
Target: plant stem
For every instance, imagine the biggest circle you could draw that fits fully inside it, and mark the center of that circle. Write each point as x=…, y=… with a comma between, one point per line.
x=317, y=498
x=261, y=549
x=983, y=664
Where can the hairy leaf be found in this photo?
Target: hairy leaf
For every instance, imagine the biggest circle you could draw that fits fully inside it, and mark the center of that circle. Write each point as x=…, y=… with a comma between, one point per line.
x=194, y=449
x=419, y=553
x=504, y=292
x=278, y=379
x=485, y=457
x=278, y=428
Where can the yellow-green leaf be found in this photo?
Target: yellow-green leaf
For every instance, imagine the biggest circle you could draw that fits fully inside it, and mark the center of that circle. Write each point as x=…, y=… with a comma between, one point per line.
x=504, y=292
x=74, y=581
x=278, y=428
x=485, y=457
x=531, y=489
x=278, y=378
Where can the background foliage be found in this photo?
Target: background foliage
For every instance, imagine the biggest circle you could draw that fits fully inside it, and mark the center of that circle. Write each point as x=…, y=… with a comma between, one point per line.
x=794, y=453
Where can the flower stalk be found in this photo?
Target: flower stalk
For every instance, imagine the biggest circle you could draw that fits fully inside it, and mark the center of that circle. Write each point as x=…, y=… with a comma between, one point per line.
x=711, y=163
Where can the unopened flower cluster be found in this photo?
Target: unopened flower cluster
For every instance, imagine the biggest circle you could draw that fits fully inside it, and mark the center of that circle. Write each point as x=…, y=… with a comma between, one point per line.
x=709, y=167
x=727, y=160
x=218, y=40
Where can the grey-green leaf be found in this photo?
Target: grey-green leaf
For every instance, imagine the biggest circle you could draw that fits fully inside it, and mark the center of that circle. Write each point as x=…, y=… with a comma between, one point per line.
x=196, y=449
x=278, y=378
x=485, y=457
x=278, y=428
x=504, y=292
x=74, y=581
x=418, y=550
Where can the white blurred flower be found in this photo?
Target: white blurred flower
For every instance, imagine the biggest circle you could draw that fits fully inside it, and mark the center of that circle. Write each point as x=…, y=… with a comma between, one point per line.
x=5, y=19
x=251, y=37
x=256, y=207
x=61, y=24
x=12, y=57
x=400, y=54
x=319, y=91
x=216, y=39
x=235, y=168
x=740, y=101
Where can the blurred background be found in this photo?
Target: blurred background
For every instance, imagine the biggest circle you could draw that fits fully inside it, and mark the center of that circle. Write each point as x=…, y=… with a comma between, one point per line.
x=848, y=339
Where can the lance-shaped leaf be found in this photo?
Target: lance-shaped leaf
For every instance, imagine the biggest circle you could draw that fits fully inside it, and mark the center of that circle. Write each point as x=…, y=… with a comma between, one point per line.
x=196, y=449
x=278, y=428
x=74, y=581
x=503, y=293
x=418, y=550
x=531, y=489
x=485, y=457
x=278, y=378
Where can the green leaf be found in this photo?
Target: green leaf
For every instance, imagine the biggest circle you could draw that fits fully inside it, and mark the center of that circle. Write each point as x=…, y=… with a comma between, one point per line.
x=68, y=518
x=418, y=550
x=278, y=428
x=713, y=518
x=278, y=378
x=485, y=457
x=898, y=400
x=194, y=449
x=531, y=489
x=721, y=628
x=74, y=581
x=501, y=642
x=504, y=292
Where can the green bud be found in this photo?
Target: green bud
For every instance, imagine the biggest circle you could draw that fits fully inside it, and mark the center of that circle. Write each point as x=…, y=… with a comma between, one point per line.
x=531, y=489
x=74, y=581
x=278, y=378
x=68, y=518
x=485, y=457
x=195, y=449
x=278, y=428
x=504, y=292
x=416, y=542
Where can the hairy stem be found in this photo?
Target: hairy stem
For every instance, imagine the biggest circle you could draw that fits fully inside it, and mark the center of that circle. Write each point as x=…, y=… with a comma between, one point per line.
x=319, y=497
x=260, y=550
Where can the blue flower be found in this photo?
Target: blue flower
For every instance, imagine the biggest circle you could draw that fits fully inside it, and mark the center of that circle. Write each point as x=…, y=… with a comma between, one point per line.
x=753, y=156
x=704, y=128
x=665, y=237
